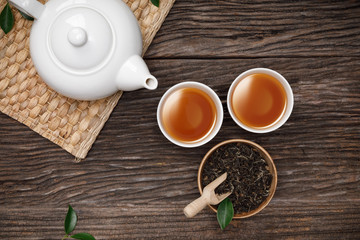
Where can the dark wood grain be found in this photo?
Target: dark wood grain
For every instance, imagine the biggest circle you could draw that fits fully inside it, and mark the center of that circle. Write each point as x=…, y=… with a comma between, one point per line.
x=316, y=154
x=134, y=183
x=233, y=28
x=289, y=220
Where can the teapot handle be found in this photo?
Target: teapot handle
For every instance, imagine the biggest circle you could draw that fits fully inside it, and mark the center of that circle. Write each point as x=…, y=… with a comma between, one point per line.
x=32, y=8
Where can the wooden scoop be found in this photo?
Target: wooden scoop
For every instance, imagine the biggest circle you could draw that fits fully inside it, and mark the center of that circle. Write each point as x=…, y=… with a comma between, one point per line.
x=208, y=197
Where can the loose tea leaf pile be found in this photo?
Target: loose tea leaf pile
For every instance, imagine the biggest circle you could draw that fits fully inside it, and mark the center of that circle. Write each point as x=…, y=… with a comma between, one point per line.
x=248, y=177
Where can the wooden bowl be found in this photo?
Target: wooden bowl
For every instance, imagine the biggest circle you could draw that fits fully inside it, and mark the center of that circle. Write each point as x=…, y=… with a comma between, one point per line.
x=268, y=160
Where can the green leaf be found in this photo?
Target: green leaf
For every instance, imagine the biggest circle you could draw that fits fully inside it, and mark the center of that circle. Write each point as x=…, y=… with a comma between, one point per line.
x=70, y=220
x=27, y=17
x=6, y=19
x=155, y=2
x=225, y=213
x=83, y=236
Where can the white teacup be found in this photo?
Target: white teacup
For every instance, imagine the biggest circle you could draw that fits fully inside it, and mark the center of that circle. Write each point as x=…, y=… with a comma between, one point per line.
x=289, y=100
x=216, y=125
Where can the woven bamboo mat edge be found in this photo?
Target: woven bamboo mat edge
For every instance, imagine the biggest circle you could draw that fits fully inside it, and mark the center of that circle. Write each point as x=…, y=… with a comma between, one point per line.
x=86, y=144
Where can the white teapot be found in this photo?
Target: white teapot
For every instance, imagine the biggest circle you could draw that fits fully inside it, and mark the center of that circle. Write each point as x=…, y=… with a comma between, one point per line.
x=87, y=49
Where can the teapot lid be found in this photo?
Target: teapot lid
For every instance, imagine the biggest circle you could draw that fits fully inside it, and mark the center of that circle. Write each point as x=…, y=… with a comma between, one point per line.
x=79, y=46
x=80, y=40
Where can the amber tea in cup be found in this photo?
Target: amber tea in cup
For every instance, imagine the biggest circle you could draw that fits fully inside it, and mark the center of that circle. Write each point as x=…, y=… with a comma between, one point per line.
x=188, y=114
x=260, y=100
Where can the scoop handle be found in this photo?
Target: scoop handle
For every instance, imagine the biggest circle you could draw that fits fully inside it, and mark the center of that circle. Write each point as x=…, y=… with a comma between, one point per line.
x=32, y=8
x=195, y=207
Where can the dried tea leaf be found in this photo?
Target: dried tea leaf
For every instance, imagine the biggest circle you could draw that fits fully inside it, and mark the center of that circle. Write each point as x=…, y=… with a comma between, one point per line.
x=248, y=177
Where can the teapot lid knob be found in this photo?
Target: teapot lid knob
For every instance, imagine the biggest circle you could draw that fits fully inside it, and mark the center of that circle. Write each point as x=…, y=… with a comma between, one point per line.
x=77, y=36
x=81, y=40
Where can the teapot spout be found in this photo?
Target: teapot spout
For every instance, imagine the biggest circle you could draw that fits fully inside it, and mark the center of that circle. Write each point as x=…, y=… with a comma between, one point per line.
x=134, y=74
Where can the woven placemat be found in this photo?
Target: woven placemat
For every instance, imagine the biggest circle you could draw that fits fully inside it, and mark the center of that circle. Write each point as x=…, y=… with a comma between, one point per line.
x=73, y=125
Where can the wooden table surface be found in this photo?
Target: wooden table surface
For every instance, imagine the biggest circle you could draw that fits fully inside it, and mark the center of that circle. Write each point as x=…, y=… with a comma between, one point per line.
x=134, y=183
